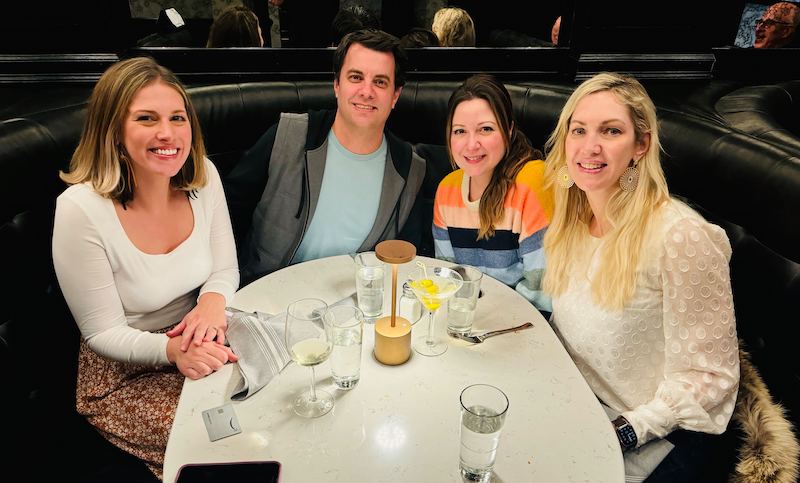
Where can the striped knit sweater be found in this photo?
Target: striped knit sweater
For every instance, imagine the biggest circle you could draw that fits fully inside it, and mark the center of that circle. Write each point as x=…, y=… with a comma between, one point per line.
x=515, y=254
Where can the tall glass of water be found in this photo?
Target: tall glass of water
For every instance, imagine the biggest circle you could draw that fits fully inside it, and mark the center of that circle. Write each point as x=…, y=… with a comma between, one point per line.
x=348, y=330
x=370, y=280
x=309, y=341
x=461, y=307
x=483, y=412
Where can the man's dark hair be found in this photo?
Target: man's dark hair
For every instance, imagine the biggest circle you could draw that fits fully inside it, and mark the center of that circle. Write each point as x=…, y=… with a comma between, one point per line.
x=377, y=40
x=419, y=37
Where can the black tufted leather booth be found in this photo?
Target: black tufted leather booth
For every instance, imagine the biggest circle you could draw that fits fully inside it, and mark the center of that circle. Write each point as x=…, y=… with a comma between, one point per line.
x=767, y=112
x=748, y=185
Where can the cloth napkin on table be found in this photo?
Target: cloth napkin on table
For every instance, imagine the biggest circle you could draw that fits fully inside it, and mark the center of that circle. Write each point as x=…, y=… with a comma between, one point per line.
x=258, y=340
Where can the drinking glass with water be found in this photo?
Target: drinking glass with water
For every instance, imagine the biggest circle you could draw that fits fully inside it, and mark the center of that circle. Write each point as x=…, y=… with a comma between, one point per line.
x=370, y=278
x=347, y=323
x=483, y=413
x=461, y=307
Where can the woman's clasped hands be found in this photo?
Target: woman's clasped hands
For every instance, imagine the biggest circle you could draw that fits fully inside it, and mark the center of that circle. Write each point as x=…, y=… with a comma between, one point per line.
x=200, y=349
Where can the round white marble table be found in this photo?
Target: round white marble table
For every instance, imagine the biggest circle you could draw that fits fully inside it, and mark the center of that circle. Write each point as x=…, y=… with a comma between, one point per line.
x=401, y=423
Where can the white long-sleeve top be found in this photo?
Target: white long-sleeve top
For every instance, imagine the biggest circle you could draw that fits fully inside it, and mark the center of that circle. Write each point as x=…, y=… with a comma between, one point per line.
x=118, y=294
x=670, y=358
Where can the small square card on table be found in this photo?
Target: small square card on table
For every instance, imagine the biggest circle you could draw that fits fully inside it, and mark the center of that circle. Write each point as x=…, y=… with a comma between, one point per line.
x=221, y=422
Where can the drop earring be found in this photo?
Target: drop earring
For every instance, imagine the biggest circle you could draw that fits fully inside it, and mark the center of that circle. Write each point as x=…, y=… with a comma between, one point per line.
x=630, y=178
x=563, y=179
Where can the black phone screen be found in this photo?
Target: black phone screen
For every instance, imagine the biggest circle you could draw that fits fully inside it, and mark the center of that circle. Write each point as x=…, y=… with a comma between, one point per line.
x=256, y=472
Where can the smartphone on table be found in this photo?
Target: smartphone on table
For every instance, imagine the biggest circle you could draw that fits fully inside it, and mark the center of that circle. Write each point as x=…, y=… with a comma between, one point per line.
x=244, y=472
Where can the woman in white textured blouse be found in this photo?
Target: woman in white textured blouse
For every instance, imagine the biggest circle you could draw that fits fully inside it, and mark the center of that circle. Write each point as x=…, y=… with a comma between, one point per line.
x=144, y=254
x=640, y=283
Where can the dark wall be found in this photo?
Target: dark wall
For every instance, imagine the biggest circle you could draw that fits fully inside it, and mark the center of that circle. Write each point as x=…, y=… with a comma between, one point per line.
x=35, y=26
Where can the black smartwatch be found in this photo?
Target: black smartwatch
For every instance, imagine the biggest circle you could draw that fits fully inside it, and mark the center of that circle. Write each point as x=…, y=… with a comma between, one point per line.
x=625, y=433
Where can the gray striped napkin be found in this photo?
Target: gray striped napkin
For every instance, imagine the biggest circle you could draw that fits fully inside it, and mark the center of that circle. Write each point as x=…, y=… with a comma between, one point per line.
x=258, y=340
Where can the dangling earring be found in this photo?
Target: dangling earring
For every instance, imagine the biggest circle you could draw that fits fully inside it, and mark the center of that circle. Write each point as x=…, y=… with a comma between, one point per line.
x=630, y=178
x=562, y=176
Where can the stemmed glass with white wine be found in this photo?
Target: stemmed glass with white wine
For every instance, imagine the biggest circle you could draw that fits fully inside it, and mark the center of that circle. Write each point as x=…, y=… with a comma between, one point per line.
x=309, y=339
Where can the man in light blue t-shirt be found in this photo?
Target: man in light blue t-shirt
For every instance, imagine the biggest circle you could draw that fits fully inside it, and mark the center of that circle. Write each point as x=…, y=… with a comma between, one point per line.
x=329, y=182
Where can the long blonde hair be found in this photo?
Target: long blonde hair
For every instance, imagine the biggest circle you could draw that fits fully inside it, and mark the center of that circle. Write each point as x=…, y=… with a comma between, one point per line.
x=629, y=213
x=101, y=158
x=518, y=148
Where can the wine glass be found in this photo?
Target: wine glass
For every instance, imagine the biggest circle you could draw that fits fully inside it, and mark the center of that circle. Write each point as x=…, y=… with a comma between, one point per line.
x=309, y=339
x=433, y=286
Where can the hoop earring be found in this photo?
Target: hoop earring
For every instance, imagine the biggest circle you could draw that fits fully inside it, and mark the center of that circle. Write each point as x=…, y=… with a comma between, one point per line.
x=563, y=179
x=629, y=179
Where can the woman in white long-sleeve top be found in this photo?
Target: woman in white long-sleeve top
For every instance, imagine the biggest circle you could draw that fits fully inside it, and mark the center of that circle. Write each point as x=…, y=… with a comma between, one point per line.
x=640, y=282
x=144, y=254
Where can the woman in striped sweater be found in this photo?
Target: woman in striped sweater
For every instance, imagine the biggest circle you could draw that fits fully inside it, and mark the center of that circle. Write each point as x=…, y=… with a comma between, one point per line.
x=493, y=211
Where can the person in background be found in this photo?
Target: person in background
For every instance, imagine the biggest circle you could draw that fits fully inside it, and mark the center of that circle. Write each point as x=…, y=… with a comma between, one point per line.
x=236, y=26
x=350, y=19
x=555, y=30
x=419, y=37
x=492, y=212
x=268, y=14
x=777, y=26
x=454, y=27
x=330, y=183
x=640, y=284
x=144, y=254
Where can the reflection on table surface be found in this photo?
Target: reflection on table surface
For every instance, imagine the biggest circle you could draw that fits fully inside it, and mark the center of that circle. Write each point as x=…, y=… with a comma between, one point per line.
x=401, y=423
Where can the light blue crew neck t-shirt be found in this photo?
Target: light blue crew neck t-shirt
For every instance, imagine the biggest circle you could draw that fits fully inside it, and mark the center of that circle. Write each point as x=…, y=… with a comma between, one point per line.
x=348, y=202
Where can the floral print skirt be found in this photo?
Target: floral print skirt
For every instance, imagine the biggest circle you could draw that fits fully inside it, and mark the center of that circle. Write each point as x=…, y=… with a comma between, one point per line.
x=132, y=405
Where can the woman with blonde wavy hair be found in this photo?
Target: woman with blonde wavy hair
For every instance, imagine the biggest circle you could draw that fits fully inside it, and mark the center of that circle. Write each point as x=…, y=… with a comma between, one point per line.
x=493, y=211
x=640, y=284
x=454, y=27
x=144, y=254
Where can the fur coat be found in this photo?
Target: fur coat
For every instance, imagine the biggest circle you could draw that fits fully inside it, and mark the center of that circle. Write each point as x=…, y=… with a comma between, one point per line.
x=769, y=451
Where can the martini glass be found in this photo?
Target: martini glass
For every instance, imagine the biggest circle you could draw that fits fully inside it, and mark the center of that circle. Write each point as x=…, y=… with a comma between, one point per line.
x=433, y=286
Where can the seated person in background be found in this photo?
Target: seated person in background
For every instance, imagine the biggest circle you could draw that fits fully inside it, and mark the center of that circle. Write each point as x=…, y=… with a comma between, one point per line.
x=493, y=211
x=555, y=30
x=350, y=19
x=336, y=182
x=171, y=31
x=419, y=37
x=454, y=27
x=142, y=242
x=236, y=26
x=777, y=26
x=640, y=283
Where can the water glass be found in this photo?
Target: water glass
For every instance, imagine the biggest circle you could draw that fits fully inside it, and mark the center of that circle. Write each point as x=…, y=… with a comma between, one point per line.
x=370, y=278
x=483, y=412
x=461, y=308
x=347, y=323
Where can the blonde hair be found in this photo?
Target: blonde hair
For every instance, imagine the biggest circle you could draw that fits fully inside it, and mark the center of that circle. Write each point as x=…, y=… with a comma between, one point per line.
x=629, y=213
x=518, y=149
x=454, y=27
x=100, y=157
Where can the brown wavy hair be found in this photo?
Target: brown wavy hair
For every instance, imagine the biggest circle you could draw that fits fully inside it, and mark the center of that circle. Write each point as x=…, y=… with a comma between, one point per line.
x=518, y=147
x=101, y=158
